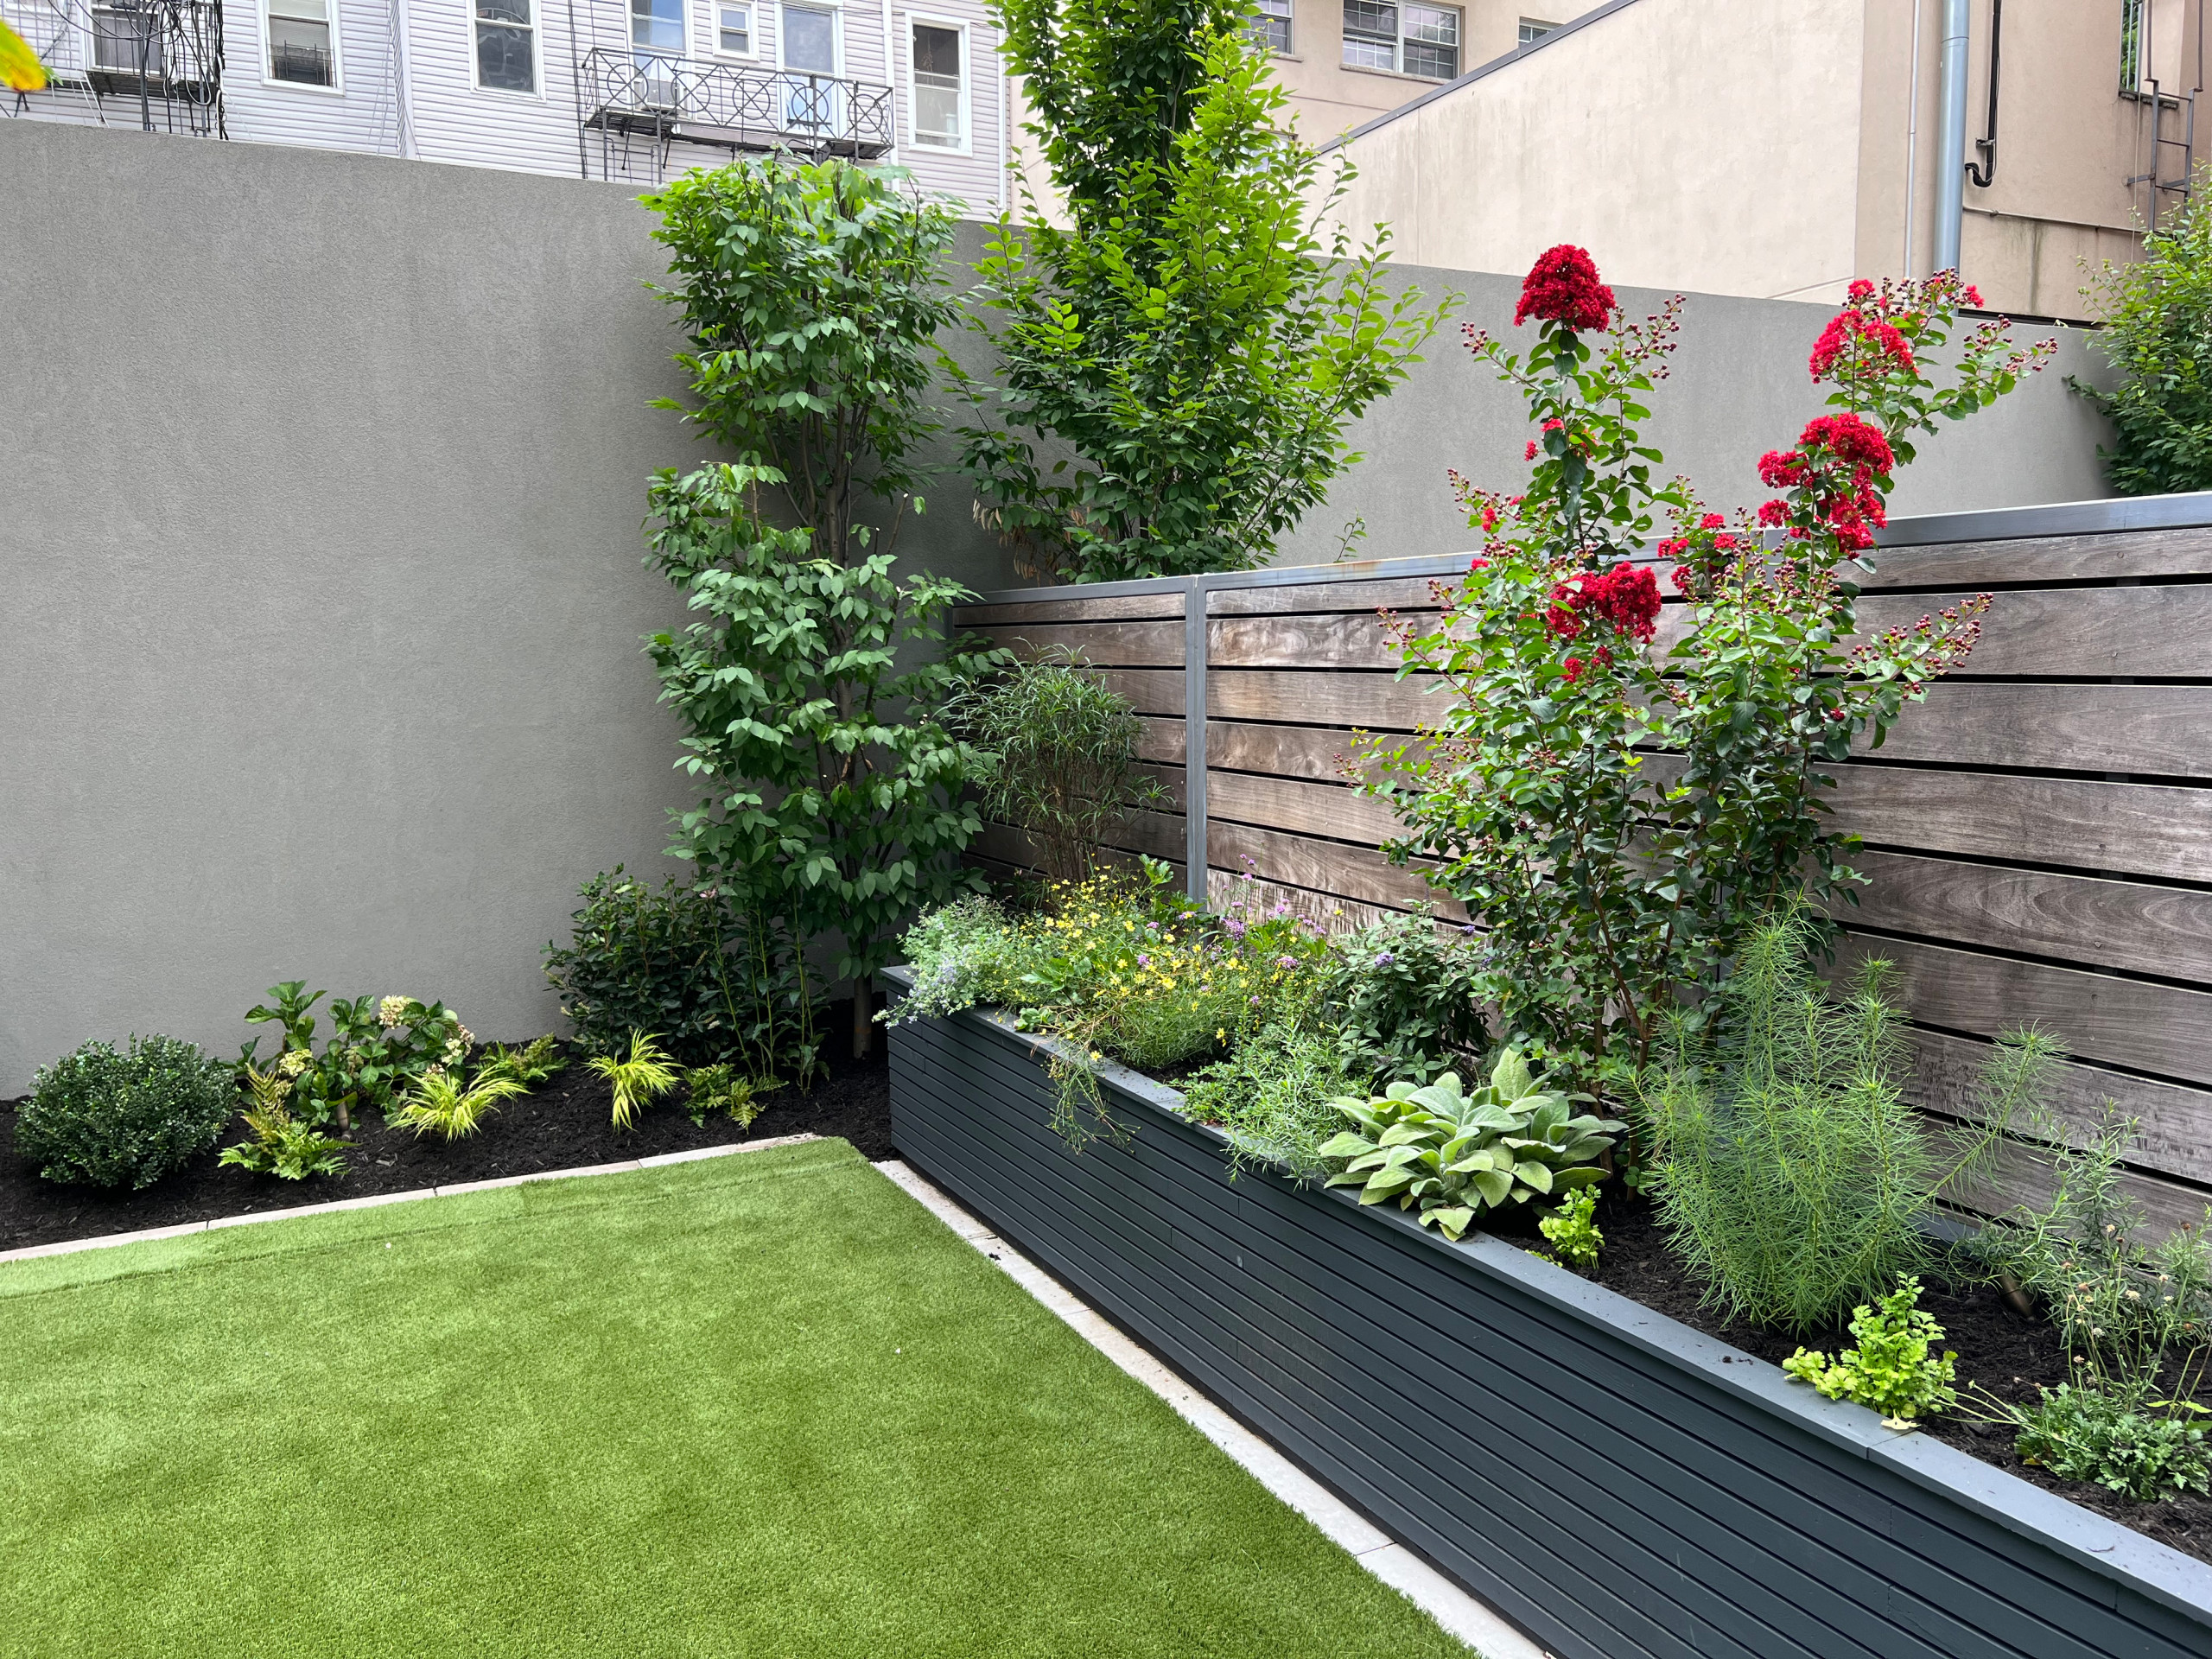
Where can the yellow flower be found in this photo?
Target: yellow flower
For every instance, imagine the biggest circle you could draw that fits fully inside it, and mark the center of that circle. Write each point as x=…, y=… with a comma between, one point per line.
x=1220, y=1035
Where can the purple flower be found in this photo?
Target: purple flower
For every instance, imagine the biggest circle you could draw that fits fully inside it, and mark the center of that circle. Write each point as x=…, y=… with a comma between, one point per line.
x=1384, y=959
x=1144, y=962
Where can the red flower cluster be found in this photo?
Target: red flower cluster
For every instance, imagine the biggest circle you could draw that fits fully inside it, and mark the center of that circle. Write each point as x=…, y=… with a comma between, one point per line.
x=1686, y=554
x=1626, y=597
x=1562, y=286
x=1837, y=458
x=1847, y=326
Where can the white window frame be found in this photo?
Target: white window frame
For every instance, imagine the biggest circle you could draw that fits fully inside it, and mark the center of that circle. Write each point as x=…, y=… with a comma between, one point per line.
x=1541, y=28
x=1398, y=47
x=715, y=32
x=1288, y=15
x=337, y=87
x=682, y=53
x=967, y=146
x=836, y=36
x=537, y=53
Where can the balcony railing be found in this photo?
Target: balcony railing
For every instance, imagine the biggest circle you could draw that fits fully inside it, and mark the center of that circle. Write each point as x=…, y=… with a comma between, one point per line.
x=669, y=99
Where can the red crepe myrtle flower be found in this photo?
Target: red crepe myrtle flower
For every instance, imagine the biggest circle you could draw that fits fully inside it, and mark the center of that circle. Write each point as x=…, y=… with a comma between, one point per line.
x=1710, y=521
x=1562, y=286
x=1474, y=565
x=1845, y=328
x=1626, y=597
x=1531, y=453
x=1849, y=440
x=1572, y=669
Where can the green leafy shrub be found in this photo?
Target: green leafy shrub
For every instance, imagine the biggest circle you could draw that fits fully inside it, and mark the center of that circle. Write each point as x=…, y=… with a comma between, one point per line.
x=283, y=1145
x=1179, y=352
x=380, y=1047
x=1790, y=1173
x=1271, y=1097
x=1895, y=1369
x=1454, y=1154
x=964, y=955
x=687, y=964
x=711, y=1089
x=2136, y=1320
x=638, y=1078
x=1405, y=997
x=1572, y=1233
x=2140, y=1451
x=111, y=1119
x=809, y=688
x=1060, y=747
x=2157, y=333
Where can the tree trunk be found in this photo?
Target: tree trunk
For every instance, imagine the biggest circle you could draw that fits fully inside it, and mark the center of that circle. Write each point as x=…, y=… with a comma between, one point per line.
x=863, y=1018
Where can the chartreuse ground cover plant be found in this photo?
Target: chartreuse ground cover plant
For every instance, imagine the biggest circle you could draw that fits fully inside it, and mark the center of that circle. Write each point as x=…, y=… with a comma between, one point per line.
x=1895, y=1369
x=763, y=1405
x=1617, y=808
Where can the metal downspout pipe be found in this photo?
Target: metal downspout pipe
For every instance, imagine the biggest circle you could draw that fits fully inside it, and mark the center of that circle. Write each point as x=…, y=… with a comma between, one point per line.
x=1951, y=135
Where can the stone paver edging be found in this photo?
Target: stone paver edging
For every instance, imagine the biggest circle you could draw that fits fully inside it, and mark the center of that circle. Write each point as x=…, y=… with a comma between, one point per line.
x=69, y=1246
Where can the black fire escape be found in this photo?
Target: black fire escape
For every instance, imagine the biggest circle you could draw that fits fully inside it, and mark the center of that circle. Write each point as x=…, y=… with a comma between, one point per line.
x=640, y=104
x=158, y=63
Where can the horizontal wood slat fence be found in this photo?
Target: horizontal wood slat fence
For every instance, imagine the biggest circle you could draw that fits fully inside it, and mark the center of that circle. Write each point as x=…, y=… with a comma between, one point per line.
x=2038, y=832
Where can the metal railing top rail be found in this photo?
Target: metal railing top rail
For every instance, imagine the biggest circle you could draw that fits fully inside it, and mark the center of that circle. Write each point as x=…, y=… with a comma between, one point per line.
x=794, y=104
x=2182, y=511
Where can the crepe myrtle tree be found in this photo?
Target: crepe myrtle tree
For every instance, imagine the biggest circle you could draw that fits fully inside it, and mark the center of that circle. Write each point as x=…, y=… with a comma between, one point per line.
x=1619, y=806
x=812, y=298
x=1181, y=353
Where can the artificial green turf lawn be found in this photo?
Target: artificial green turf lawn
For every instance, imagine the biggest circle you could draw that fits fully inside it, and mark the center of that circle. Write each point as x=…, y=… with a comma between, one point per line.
x=756, y=1405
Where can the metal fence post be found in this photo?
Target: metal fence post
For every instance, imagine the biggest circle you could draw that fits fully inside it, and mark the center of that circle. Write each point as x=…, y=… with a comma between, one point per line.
x=1194, y=738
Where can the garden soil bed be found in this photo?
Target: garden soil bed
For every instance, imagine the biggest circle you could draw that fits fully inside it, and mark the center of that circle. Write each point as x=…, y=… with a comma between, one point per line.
x=1999, y=1347
x=564, y=1124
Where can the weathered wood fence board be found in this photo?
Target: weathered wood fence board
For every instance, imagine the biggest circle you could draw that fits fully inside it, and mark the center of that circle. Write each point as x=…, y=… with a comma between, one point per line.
x=2038, y=832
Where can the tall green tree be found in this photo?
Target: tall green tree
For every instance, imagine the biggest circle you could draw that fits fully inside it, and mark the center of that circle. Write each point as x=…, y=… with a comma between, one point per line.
x=1180, y=359
x=2157, y=333
x=809, y=686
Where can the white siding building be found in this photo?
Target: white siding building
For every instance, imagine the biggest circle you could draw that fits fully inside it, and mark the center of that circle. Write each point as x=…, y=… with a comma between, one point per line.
x=635, y=90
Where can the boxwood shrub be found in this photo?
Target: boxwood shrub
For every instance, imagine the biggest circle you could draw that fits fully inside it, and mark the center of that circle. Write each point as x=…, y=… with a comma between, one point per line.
x=125, y=1120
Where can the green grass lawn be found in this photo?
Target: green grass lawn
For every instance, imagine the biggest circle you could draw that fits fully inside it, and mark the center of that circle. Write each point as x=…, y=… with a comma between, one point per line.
x=751, y=1406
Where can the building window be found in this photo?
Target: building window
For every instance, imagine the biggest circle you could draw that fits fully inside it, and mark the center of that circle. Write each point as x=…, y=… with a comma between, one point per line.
x=303, y=47
x=2132, y=66
x=939, y=93
x=656, y=27
x=1532, y=31
x=1271, y=26
x=1411, y=40
x=809, y=38
x=127, y=37
x=734, y=31
x=506, y=46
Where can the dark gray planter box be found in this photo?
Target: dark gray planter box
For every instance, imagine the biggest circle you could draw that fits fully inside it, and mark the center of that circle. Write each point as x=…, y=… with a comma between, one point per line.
x=1618, y=1483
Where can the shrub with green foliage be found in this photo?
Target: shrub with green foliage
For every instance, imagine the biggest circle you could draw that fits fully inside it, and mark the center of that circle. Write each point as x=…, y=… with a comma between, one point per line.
x=1182, y=327
x=381, y=1047
x=1895, y=1369
x=1271, y=1097
x=1791, y=1175
x=111, y=1119
x=1060, y=749
x=2125, y=1445
x=1453, y=1154
x=686, y=965
x=2157, y=313
x=281, y=1143
x=1405, y=997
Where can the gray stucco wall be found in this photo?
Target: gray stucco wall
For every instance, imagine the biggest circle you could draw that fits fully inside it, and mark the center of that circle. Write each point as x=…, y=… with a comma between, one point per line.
x=1737, y=386
x=320, y=590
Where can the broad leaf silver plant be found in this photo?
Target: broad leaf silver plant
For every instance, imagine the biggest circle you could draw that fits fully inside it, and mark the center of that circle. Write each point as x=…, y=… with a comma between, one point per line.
x=1453, y=1153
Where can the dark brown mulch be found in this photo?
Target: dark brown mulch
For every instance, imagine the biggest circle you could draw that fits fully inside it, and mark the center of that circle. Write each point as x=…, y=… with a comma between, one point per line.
x=2005, y=1350
x=564, y=1124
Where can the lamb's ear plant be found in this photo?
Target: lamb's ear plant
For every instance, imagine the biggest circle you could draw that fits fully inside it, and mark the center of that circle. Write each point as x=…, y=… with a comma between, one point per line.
x=1791, y=1175
x=638, y=1078
x=1453, y=1154
x=441, y=1105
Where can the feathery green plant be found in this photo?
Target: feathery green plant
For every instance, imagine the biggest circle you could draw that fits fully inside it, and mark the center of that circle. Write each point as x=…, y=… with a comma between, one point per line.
x=711, y=1089
x=528, y=1066
x=1790, y=1172
x=639, y=1079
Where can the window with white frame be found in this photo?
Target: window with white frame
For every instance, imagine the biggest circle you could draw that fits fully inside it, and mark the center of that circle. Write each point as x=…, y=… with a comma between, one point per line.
x=656, y=27
x=1412, y=39
x=1270, y=26
x=733, y=29
x=506, y=45
x=302, y=44
x=808, y=38
x=1534, y=29
x=939, y=92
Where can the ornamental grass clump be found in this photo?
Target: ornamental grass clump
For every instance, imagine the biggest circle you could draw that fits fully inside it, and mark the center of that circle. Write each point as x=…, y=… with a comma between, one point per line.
x=1791, y=1175
x=1618, y=786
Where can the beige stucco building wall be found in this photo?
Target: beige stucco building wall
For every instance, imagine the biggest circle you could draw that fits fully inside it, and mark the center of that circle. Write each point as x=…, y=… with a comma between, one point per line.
x=1744, y=147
